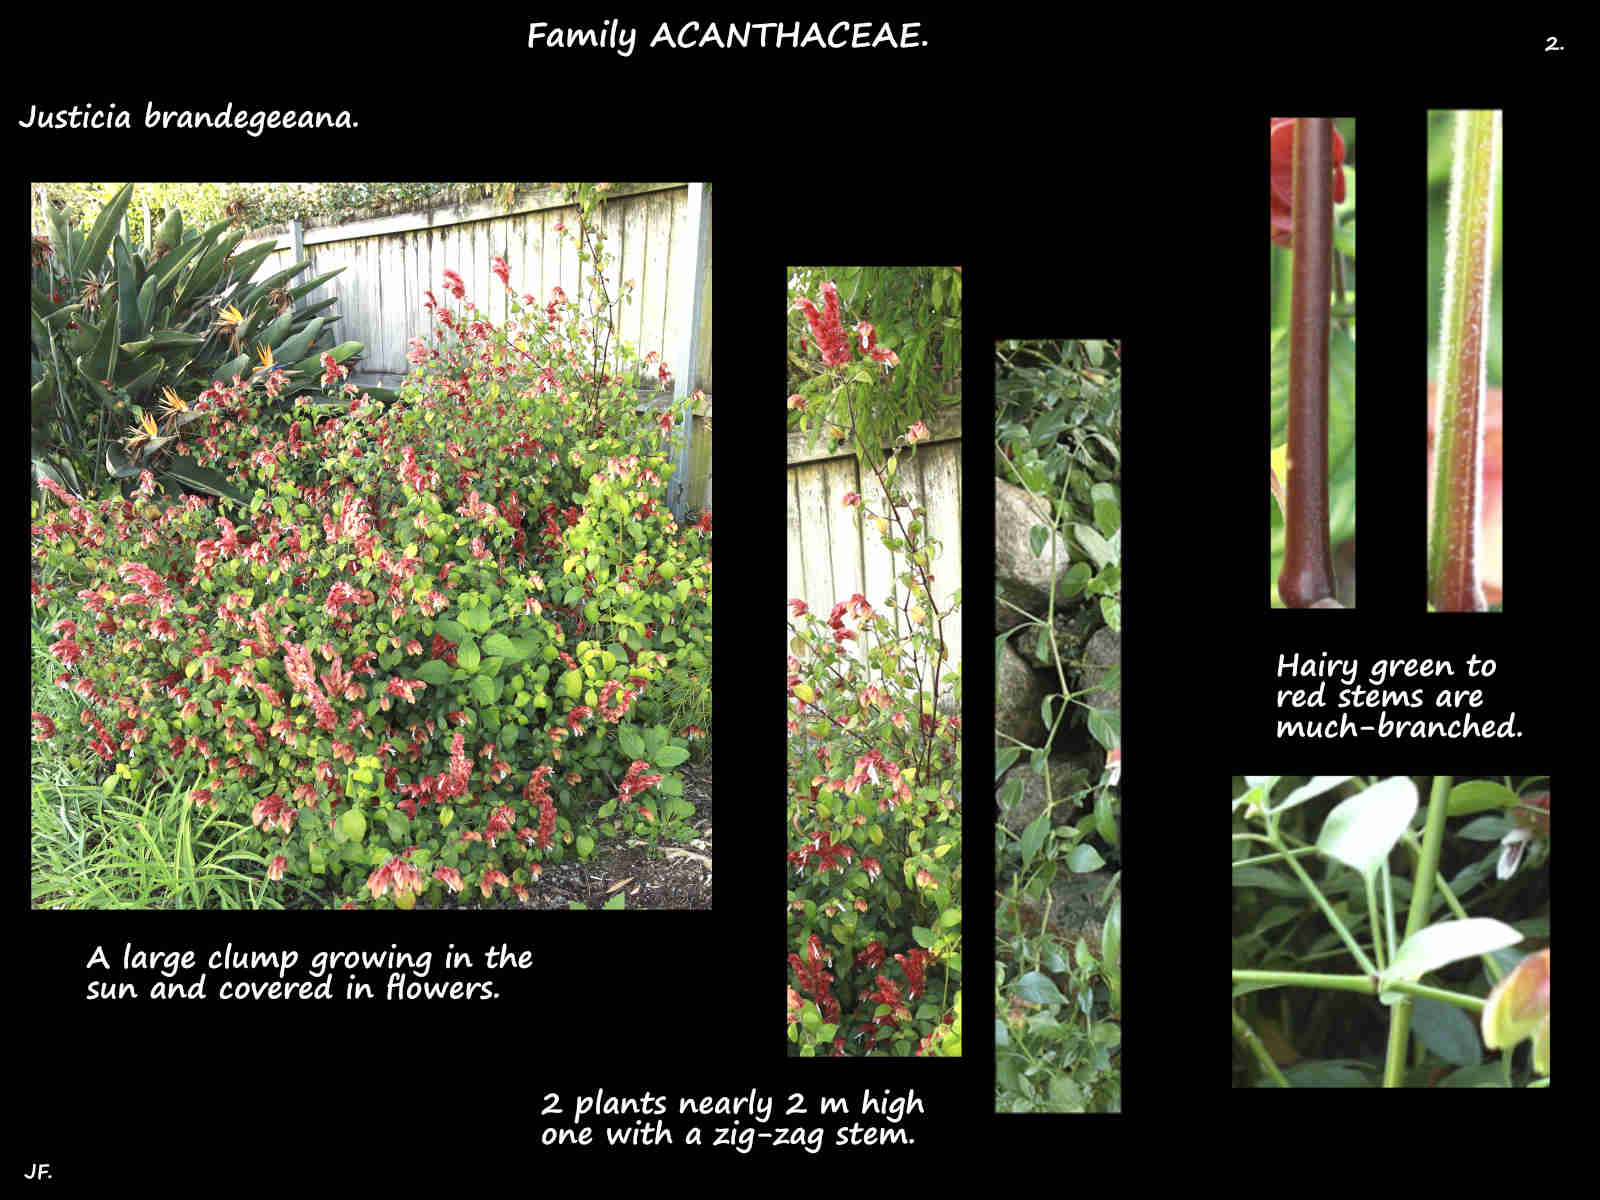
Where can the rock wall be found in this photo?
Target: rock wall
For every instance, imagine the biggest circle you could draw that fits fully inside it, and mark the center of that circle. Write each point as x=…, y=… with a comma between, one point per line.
x=1084, y=652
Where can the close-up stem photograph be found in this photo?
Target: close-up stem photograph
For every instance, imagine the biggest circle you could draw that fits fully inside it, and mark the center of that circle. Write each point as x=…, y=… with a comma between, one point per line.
x=1312, y=340
x=1464, y=398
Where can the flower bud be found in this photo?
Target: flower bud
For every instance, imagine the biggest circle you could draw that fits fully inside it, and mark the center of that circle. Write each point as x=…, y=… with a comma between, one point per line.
x=1282, y=178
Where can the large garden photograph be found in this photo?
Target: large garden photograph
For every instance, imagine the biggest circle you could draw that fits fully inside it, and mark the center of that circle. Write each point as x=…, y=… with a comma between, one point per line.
x=419, y=620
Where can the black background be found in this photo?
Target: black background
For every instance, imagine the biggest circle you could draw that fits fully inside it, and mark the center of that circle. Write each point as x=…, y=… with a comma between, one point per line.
x=1094, y=180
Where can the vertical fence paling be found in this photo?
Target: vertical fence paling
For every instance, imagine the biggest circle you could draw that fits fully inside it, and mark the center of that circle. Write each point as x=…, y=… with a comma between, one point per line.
x=833, y=553
x=686, y=379
x=391, y=260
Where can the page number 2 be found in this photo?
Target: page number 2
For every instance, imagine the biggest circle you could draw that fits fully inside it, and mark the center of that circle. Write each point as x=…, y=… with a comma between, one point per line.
x=1552, y=43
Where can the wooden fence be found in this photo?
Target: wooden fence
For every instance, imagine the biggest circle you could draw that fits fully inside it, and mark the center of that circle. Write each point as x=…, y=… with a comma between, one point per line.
x=659, y=234
x=834, y=553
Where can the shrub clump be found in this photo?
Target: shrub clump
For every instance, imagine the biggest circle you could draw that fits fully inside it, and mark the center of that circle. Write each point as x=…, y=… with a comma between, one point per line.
x=436, y=650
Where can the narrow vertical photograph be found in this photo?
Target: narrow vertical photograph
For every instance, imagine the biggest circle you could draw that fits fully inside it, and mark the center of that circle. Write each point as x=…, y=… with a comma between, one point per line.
x=1465, y=544
x=874, y=661
x=1312, y=340
x=1058, y=726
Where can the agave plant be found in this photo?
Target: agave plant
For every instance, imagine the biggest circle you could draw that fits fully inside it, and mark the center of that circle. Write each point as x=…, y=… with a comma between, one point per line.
x=113, y=329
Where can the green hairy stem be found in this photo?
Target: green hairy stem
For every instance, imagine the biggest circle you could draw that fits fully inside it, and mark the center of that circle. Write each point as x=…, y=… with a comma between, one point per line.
x=1453, y=582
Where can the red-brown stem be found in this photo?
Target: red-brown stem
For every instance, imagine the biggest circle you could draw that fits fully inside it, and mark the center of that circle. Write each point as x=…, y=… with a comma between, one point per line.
x=1307, y=574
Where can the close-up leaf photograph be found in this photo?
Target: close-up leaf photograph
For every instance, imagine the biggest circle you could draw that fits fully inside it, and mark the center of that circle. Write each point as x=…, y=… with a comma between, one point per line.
x=1391, y=932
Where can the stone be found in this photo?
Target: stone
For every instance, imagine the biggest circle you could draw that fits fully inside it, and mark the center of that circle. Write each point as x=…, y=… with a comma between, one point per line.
x=1018, y=692
x=1068, y=776
x=1079, y=905
x=1022, y=578
x=1101, y=656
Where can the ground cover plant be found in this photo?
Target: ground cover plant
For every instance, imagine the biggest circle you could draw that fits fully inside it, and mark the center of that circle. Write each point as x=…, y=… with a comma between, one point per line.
x=1327, y=989
x=448, y=641
x=1058, y=623
x=874, y=764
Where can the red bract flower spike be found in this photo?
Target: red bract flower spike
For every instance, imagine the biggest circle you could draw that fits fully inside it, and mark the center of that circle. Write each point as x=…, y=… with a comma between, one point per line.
x=1282, y=177
x=826, y=326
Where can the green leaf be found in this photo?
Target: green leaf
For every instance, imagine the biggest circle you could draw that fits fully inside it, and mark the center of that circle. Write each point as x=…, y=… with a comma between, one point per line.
x=1105, y=726
x=500, y=644
x=1107, y=516
x=670, y=756
x=1084, y=857
x=632, y=745
x=1111, y=941
x=572, y=681
x=483, y=689
x=1479, y=796
x=1037, y=536
x=1362, y=830
x=1446, y=1031
x=435, y=671
x=1010, y=793
x=1105, y=819
x=468, y=656
x=353, y=825
x=1071, y=582
x=1038, y=988
x=1310, y=791
x=1096, y=547
x=1033, y=837
x=105, y=227
x=1447, y=942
